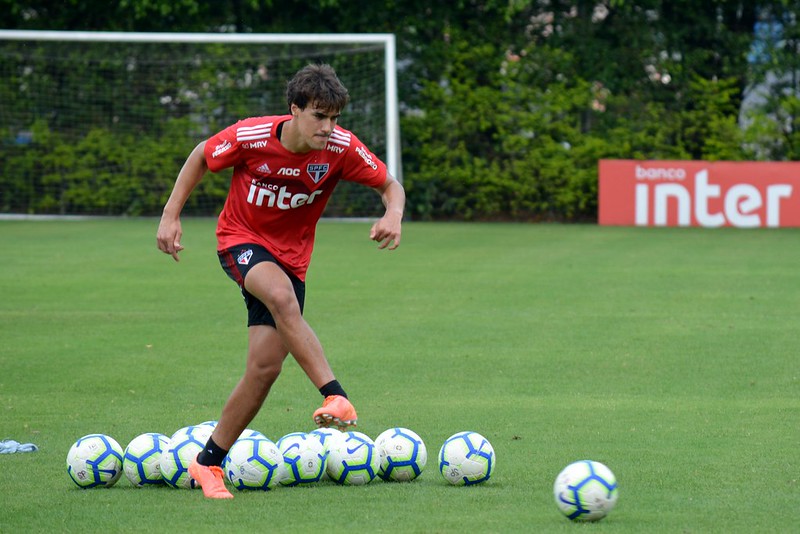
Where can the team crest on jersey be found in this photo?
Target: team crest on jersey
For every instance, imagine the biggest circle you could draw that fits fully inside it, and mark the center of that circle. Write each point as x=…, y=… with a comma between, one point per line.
x=244, y=257
x=317, y=171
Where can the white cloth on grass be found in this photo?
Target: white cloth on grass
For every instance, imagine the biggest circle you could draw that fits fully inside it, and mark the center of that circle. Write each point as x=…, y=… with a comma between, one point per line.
x=9, y=446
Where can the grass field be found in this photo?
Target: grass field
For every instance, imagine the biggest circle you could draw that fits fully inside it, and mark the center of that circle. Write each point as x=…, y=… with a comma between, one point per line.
x=670, y=355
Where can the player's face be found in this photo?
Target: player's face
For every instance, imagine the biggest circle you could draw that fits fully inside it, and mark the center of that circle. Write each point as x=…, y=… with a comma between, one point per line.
x=315, y=125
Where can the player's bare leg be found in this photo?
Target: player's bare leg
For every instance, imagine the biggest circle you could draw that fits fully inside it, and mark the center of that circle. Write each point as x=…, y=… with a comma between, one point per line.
x=265, y=358
x=267, y=282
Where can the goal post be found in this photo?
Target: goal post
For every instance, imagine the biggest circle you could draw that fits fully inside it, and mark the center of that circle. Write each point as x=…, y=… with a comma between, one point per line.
x=99, y=122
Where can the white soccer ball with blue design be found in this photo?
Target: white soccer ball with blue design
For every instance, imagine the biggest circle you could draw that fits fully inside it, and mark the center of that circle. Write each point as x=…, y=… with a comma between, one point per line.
x=95, y=460
x=142, y=459
x=250, y=433
x=185, y=429
x=183, y=448
x=353, y=459
x=403, y=454
x=212, y=424
x=246, y=433
x=254, y=463
x=326, y=435
x=585, y=491
x=304, y=458
x=466, y=458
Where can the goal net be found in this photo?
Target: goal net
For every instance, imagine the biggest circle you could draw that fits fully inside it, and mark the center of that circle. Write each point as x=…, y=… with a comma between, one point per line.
x=99, y=123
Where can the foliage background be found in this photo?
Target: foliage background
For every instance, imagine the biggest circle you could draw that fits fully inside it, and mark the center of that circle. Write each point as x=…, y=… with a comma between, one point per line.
x=508, y=105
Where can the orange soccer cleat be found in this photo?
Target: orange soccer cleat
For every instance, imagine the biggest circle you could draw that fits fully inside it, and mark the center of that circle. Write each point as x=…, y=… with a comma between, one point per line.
x=210, y=479
x=336, y=411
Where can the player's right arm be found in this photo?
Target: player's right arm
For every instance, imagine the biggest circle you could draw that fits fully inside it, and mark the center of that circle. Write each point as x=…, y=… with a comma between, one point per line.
x=169, y=229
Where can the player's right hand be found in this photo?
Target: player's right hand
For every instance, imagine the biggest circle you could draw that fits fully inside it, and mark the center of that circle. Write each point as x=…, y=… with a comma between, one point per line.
x=168, y=237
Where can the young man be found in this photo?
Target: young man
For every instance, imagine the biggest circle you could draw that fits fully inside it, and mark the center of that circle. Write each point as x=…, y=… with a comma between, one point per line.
x=284, y=171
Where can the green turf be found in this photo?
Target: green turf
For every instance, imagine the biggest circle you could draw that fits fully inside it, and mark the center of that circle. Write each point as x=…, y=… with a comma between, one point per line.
x=668, y=354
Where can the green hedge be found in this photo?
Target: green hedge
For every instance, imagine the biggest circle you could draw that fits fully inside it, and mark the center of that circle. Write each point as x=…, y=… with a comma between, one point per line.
x=515, y=146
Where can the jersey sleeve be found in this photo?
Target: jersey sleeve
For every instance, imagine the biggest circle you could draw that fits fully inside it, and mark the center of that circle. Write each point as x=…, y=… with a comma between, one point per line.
x=224, y=149
x=362, y=166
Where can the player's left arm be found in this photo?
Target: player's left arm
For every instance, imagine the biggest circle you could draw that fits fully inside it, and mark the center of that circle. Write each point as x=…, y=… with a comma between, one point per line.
x=386, y=231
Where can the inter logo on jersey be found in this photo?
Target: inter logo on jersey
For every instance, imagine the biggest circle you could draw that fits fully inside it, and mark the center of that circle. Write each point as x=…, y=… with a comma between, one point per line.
x=317, y=171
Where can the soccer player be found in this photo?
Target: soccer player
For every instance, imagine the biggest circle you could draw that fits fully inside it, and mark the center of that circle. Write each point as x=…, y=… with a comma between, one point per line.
x=285, y=168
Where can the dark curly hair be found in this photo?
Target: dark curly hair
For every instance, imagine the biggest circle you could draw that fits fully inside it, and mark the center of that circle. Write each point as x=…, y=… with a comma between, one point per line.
x=317, y=85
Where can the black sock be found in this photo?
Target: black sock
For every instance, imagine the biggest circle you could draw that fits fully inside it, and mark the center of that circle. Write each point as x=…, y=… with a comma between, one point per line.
x=212, y=454
x=332, y=388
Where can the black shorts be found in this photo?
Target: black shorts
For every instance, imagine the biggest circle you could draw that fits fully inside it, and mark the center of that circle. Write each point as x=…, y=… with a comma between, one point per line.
x=237, y=262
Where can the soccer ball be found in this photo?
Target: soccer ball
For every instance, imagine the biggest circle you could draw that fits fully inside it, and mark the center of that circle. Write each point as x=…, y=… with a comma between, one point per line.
x=189, y=428
x=326, y=436
x=143, y=457
x=250, y=433
x=403, y=454
x=95, y=460
x=211, y=424
x=254, y=464
x=466, y=458
x=585, y=491
x=353, y=459
x=183, y=448
x=304, y=457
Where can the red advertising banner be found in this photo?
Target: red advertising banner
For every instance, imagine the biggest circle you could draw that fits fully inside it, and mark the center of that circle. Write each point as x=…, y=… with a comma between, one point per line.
x=699, y=193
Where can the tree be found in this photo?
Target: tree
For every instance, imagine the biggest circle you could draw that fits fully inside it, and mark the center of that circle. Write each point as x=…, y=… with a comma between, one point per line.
x=508, y=105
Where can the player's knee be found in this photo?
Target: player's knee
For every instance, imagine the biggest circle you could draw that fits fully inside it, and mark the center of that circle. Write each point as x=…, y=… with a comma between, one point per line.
x=284, y=304
x=264, y=373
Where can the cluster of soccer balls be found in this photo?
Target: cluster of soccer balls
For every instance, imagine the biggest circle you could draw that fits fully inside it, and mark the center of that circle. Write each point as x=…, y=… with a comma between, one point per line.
x=256, y=462
x=584, y=491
